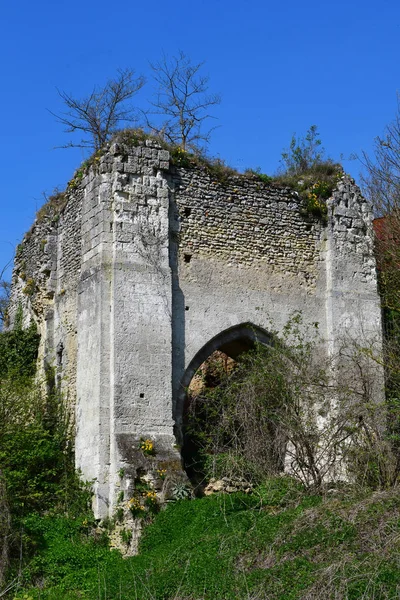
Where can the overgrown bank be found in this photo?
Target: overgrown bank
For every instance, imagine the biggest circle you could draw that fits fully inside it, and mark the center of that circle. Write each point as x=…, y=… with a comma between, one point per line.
x=278, y=543
x=38, y=481
x=284, y=540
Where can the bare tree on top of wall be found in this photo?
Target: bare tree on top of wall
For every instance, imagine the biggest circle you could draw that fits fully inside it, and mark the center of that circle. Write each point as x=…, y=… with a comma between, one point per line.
x=97, y=116
x=182, y=101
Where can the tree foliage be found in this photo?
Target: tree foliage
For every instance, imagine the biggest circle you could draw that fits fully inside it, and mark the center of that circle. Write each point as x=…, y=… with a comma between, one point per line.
x=303, y=153
x=18, y=351
x=5, y=290
x=37, y=472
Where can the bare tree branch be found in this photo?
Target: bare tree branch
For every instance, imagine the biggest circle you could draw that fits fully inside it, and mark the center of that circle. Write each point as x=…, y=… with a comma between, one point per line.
x=183, y=101
x=99, y=115
x=381, y=184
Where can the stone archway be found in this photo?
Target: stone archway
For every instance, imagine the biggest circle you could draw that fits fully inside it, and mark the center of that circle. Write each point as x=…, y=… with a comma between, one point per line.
x=233, y=342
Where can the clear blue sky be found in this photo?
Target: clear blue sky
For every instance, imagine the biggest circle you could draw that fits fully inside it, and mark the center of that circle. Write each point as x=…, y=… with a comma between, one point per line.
x=279, y=66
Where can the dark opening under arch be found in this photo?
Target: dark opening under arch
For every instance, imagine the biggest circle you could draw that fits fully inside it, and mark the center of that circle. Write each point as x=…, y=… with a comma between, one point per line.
x=233, y=342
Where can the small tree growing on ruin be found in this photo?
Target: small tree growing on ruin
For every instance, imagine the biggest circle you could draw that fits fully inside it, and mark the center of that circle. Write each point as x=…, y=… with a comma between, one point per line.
x=182, y=100
x=97, y=116
x=303, y=153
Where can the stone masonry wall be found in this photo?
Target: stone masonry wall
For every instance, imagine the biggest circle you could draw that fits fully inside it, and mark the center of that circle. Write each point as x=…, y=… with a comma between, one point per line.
x=246, y=222
x=44, y=284
x=146, y=263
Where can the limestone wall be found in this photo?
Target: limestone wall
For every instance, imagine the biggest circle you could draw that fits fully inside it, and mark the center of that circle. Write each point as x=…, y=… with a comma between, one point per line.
x=145, y=263
x=45, y=278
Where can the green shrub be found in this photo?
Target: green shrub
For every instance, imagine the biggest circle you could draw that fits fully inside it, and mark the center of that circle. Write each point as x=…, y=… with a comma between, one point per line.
x=303, y=153
x=18, y=351
x=257, y=174
x=36, y=453
x=309, y=173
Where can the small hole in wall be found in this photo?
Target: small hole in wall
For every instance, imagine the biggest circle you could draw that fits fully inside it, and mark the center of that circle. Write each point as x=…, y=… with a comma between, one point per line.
x=59, y=352
x=141, y=395
x=187, y=212
x=120, y=225
x=187, y=258
x=111, y=227
x=186, y=308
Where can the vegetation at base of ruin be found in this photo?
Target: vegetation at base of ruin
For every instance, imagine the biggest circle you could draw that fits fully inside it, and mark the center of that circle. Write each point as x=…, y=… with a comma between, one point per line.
x=279, y=543
x=289, y=537
x=38, y=482
x=278, y=407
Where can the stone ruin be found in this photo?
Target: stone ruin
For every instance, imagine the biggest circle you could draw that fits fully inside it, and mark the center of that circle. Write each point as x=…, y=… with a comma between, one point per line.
x=150, y=265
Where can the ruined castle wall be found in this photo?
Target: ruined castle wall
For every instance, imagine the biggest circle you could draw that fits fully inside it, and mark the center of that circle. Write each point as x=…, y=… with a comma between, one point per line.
x=246, y=252
x=124, y=315
x=44, y=284
x=146, y=262
x=351, y=281
x=67, y=271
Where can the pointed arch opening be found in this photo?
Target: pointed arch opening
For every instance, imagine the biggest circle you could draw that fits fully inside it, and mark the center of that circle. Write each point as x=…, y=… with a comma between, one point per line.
x=218, y=355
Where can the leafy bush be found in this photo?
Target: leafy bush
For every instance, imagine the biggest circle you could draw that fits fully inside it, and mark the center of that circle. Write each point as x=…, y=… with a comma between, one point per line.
x=18, y=351
x=280, y=408
x=304, y=153
x=36, y=455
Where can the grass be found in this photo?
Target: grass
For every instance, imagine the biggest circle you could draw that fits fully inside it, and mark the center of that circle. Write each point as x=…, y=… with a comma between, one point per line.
x=54, y=205
x=279, y=543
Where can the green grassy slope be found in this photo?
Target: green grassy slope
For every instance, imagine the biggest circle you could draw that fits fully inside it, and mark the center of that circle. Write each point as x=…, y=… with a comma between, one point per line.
x=278, y=543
